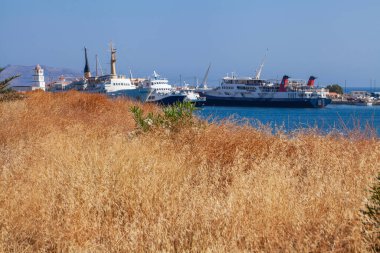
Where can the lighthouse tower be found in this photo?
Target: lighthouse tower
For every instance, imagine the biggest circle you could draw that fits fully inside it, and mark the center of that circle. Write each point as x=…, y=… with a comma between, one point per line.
x=38, y=78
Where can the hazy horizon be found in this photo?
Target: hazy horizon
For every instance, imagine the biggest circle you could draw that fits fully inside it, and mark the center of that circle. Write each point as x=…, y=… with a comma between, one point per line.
x=334, y=40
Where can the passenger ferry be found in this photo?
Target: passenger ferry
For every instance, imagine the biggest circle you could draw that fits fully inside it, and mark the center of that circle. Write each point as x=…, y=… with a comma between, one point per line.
x=161, y=92
x=252, y=91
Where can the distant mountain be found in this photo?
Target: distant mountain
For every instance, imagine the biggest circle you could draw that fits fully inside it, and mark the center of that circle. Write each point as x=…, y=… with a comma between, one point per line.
x=26, y=72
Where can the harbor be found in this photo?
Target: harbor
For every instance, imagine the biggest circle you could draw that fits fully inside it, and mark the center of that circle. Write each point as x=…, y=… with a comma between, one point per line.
x=190, y=126
x=249, y=91
x=333, y=118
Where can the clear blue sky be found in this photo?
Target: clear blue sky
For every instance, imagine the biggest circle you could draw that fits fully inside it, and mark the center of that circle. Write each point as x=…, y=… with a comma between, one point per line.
x=335, y=40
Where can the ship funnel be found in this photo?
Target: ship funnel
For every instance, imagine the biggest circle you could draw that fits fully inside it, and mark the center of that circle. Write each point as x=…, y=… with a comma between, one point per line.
x=310, y=83
x=284, y=83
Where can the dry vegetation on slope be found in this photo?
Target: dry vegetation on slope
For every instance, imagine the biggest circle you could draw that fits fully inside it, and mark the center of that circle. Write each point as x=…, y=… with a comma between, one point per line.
x=74, y=178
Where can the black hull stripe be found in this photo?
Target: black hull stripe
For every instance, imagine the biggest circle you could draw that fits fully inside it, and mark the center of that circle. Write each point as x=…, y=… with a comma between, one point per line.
x=288, y=103
x=169, y=100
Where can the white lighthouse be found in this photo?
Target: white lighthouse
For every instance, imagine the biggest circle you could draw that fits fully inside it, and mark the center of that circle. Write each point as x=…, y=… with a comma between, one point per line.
x=38, y=78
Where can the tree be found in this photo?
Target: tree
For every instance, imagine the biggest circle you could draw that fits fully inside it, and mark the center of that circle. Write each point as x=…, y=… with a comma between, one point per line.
x=335, y=88
x=7, y=94
x=5, y=83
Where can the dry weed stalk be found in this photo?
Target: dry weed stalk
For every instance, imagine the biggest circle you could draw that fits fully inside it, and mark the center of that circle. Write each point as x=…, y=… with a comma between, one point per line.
x=73, y=179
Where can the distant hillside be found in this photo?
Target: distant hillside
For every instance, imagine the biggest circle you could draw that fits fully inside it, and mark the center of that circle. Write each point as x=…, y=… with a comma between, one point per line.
x=26, y=72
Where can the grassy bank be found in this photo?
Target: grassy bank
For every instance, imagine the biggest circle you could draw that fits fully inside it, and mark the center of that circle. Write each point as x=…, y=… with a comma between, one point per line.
x=76, y=176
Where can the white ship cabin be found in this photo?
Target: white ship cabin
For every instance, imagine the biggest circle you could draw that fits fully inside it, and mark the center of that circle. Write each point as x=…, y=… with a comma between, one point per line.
x=244, y=83
x=158, y=84
x=116, y=83
x=243, y=86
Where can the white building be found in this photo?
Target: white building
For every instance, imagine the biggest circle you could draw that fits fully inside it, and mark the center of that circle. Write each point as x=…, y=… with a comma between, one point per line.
x=38, y=78
x=359, y=94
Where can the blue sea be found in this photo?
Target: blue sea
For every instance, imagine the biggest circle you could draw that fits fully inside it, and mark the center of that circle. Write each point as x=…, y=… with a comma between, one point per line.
x=333, y=117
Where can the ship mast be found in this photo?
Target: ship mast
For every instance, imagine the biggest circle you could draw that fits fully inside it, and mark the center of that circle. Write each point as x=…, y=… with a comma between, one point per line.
x=130, y=76
x=96, y=64
x=113, y=61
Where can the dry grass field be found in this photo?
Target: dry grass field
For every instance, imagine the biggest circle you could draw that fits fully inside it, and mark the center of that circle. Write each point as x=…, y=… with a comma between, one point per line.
x=75, y=177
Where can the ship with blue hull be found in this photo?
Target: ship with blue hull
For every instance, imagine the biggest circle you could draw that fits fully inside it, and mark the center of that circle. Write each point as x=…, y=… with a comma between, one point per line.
x=169, y=100
x=255, y=92
x=138, y=94
x=162, y=92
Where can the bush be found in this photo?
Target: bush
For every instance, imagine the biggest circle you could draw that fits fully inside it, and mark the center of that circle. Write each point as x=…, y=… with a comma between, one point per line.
x=372, y=217
x=174, y=116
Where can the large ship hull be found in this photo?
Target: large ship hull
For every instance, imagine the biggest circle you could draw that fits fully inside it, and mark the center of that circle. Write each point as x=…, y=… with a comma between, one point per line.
x=169, y=100
x=267, y=102
x=139, y=94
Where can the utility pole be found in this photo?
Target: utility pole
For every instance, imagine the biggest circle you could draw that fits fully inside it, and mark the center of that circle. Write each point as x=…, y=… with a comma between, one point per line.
x=96, y=62
x=345, y=86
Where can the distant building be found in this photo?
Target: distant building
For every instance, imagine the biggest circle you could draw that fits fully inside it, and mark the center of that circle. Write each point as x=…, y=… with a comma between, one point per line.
x=359, y=94
x=334, y=95
x=60, y=84
x=21, y=88
x=38, y=78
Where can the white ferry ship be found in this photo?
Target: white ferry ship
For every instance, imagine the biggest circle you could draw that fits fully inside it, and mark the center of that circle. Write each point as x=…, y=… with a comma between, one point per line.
x=161, y=92
x=252, y=91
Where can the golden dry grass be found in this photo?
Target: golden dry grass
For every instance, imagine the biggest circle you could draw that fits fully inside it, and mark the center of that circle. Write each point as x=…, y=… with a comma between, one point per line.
x=73, y=179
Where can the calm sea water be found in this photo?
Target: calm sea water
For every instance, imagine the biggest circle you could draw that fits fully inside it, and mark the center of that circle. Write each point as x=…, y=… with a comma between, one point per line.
x=340, y=117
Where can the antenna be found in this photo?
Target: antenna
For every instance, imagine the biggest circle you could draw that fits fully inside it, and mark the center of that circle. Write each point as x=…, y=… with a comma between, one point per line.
x=260, y=69
x=130, y=74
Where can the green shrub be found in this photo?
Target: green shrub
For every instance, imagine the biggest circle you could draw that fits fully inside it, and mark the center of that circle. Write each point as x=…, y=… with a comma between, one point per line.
x=371, y=217
x=174, y=116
